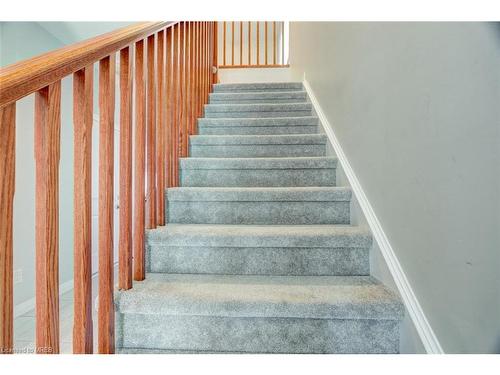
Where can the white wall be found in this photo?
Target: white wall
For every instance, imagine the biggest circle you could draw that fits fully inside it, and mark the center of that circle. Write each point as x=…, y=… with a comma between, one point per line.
x=415, y=108
x=37, y=40
x=252, y=75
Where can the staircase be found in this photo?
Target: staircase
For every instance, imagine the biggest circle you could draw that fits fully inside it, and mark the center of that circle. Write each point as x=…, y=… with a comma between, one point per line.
x=258, y=255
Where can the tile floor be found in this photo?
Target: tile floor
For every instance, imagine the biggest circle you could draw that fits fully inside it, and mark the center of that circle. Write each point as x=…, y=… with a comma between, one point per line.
x=24, y=325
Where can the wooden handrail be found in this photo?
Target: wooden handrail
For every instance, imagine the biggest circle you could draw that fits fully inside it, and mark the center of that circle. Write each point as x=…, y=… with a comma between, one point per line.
x=25, y=77
x=171, y=77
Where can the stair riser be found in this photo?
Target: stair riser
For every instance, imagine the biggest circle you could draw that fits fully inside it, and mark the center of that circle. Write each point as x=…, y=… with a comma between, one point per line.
x=257, y=130
x=258, y=87
x=257, y=177
x=257, y=114
x=254, y=151
x=275, y=261
x=256, y=335
x=241, y=212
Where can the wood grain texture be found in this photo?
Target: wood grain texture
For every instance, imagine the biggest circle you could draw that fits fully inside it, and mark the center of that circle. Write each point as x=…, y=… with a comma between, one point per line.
x=175, y=108
x=266, y=38
x=257, y=42
x=25, y=77
x=7, y=183
x=125, y=239
x=151, y=134
x=197, y=70
x=232, y=41
x=170, y=102
x=241, y=42
x=283, y=44
x=224, y=42
x=47, y=154
x=274, y=43
x=191, y=80
x=106, y=313
x=215, y=78
x=249, y=43
x=185, y=132
x=182, y=93
x=140, y=163
x=204, y=61
x=82, y=123
x=160, y=130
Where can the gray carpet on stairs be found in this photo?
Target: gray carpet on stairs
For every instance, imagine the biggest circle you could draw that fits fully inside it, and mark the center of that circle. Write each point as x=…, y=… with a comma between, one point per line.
x=258, y=255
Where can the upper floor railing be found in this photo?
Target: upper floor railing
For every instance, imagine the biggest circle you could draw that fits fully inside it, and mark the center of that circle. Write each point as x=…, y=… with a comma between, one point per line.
x=165, y=75
x=253, y=44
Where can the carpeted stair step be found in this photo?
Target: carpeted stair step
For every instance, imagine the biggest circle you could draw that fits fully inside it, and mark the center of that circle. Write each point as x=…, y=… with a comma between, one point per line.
x=258, y=172
x=258, y=97
x=251, y=146
x=272, y=205
x=258, y=314
x=259, y=250
x=257, y=110
x=258, y=87
x=258, y=126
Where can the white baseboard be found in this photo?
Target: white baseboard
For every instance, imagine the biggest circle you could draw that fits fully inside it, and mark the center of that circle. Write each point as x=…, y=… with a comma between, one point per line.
x=23, y=307
x=429, y=339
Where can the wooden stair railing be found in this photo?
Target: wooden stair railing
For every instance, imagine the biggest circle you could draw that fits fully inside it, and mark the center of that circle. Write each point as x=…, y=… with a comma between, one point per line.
x=170, y=68
x=262, y=50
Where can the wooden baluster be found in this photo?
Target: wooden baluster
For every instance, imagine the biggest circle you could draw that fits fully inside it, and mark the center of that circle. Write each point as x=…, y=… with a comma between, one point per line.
x=241, y=43
x=202, y=67
x=274, y=42
x=160, y=130
x=83, y=81
x=170, y=97
x=7, y=184
x=191, y=80
x=151, y=134
x=213, y=53
x=198, y=68
x=182, y=91
x=207, y=51
x=176, y=102
x=282, y=43
x=106, y=313
x=265, y=42
x=202, y=33
x=47, y=154
x=258, y=43
x=125, y=239
x=215, y=78
x=224, y=43
x=140, y=162
x=232, y=43
x=185, y=91
x=249, y=43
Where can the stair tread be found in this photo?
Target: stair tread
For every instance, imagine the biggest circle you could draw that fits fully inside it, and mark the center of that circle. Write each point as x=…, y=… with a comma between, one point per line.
x=261, y=235
x=316, y=297
x=260, y=94
x=257, y=107
x=259, y=121
x=315, y=162
x=268, y=139
x=259, y=194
